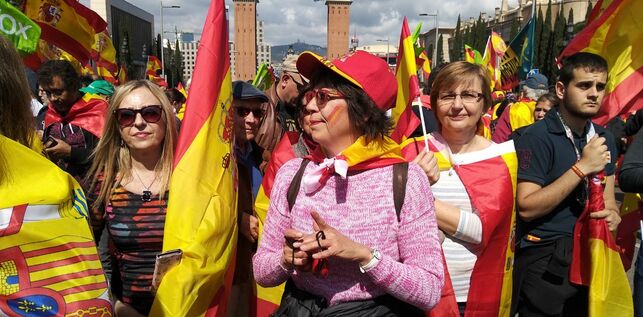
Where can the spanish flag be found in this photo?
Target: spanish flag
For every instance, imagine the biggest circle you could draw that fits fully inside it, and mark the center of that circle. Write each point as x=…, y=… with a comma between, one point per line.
x=408, y=87
x=202, y=216
x=49, y=265
x=426, y=65
x=596, y=262
x=106, y=74
x=104, y=52
x=493, y=54
x=491, y=281
x=153, y=66
x=616, y=34
x=67, y=24
x=471, y=55
x=628, y=228
x=122, y=74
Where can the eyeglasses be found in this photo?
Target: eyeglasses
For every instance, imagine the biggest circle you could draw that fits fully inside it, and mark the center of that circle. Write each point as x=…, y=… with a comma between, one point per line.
x=322, y=95
x=467, y=97
x=295, y=81
x=54, y=92
x=244, y=112
x=151, y=114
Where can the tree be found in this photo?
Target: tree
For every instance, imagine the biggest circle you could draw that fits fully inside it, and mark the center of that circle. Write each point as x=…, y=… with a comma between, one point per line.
x=159, y=44
x=456, y=52
x=589, y=11
x=545, y=39
x=537, y=38
x=177, y=60
x=557, y=46
x=440, y=55
x=515, y=24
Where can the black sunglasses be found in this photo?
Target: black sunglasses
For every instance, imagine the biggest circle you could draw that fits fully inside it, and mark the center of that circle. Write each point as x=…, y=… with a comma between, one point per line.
x=151, y=114
x=244, y=112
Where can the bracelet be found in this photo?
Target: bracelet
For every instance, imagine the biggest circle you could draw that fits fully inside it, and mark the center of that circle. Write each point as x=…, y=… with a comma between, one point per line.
x=578, y=172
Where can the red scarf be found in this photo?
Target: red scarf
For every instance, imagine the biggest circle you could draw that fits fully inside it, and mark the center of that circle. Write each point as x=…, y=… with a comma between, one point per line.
x=88, y=113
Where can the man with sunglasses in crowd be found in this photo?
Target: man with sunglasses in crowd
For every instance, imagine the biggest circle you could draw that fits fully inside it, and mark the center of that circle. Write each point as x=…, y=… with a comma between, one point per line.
x=557, y=157
x=282, y=115
x=73, y=122
x=248, y=110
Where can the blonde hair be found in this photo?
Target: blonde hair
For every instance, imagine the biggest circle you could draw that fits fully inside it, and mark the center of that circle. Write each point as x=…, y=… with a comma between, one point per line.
x=111, y=158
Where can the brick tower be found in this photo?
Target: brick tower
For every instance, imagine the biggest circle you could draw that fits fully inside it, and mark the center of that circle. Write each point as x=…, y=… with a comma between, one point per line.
x=338, y=24
x=245, y=38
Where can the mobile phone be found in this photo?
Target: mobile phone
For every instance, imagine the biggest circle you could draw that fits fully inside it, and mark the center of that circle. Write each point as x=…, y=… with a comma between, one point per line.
x=164, y=262
x=50, y=142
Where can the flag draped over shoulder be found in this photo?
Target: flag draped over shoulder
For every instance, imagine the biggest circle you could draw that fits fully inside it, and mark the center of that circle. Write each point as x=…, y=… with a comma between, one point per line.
x=616, y=35
x=48, y=258
x=493, y=168
x=201, y=216
x=67, y=24
x=19, y=29
x=408, y=87
x=596, y=262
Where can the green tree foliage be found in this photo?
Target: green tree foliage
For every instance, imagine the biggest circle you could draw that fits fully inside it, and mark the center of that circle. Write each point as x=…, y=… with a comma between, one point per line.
x=589, y=10
x=558, y=41
x=545, y=39
x=440, y=55
x=537, y=37
x=458, y=47
x=177, y=65
x=515, y=25
x=159, y=44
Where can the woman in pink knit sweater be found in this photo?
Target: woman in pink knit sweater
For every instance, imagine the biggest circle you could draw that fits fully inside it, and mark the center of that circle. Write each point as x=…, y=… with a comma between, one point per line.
x=335, y=231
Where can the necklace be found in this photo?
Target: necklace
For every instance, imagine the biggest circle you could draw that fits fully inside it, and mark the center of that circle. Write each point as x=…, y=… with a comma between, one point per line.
x=147, y=194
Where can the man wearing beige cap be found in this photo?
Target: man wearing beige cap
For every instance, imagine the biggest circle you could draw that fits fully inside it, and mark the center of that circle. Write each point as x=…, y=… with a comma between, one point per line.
x=281, y=116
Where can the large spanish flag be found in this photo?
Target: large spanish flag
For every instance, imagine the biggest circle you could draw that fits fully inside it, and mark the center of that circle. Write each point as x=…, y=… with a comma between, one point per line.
x=489, y=177
x=408, y=87
x=104, y=52
x=202, y=216
x=596, y=261
x=49, y=265
x=67, y=24
x=616, y=34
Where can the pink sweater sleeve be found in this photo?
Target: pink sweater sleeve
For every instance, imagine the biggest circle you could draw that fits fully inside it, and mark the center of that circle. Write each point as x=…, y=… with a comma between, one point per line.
x=266, y=263
x=419, y=276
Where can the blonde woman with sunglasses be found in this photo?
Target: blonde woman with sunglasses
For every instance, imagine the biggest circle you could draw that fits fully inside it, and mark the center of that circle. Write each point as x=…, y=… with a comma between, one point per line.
x=131, y=172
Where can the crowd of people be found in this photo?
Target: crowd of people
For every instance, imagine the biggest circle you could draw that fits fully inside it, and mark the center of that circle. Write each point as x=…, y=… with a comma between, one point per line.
x=452, y=222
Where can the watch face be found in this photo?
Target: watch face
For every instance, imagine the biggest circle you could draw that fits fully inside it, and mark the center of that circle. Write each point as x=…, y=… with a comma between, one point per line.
x=377, y=254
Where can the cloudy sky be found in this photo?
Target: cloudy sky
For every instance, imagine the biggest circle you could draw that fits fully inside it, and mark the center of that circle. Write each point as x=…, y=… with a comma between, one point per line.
x=287, y=21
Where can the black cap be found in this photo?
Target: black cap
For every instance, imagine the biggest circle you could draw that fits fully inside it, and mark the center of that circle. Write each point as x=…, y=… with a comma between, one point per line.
x=242, y=90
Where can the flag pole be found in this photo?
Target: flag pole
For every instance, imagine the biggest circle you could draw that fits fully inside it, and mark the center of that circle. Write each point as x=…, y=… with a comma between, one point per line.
x=424, y=133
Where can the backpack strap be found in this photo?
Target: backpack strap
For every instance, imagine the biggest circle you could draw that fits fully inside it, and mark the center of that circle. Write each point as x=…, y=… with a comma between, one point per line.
x=400, y=176
x=293, y=189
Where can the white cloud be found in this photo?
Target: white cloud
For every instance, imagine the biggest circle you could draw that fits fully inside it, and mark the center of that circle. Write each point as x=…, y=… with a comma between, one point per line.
x=286, y=21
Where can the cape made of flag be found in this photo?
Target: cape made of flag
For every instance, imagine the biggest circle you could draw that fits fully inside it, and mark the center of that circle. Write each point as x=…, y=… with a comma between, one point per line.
x=88, y=113
x=291, y=146
x=489, y=177
x=202, y=216
x=596, y=262
x=49, y=265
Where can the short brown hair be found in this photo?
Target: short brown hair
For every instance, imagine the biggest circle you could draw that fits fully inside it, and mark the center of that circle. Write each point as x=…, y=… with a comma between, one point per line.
x=459, y=73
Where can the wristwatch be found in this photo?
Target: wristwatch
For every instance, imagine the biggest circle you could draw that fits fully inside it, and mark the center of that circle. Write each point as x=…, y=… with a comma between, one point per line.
x=377, y=256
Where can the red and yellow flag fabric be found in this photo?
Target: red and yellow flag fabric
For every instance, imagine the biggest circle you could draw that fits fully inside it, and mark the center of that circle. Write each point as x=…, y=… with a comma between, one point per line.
x=153, y=66
x=629, y=226
x=106, y=74
x=104, y=53
x=408, y=87
x=67, y=24
x=596, y=262
x=493, y=54
x=491, y=281
x=122, y=74
x=616, y=34
x=426, y=65
x=48, y=258
x=471, y=55
x=268, y=298
x=202, y=215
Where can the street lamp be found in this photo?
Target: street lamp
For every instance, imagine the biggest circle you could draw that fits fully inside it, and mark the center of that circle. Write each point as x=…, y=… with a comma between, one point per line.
x=162, y=46
x=387, y=49
x=435, y=48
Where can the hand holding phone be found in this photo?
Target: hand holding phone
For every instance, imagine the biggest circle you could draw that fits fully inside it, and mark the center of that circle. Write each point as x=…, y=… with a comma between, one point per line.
x=50, y=142
x=164, y=262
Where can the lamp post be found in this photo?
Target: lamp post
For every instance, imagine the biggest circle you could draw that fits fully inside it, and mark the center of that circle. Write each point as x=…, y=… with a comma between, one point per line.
x=162, y=46
x=388, y=47
x=435, y=47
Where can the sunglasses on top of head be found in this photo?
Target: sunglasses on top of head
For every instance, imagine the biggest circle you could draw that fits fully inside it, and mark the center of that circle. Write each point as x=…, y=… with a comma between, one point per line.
x=151, y=114
x=322, y=95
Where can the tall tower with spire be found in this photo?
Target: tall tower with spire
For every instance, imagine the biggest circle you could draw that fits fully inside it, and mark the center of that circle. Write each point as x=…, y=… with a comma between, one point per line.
x=245, y=38
x=338, y=23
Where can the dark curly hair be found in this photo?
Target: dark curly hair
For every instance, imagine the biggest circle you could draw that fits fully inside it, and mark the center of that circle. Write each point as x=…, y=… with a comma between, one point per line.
x=367, y=118
x=61, y=68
